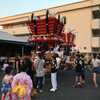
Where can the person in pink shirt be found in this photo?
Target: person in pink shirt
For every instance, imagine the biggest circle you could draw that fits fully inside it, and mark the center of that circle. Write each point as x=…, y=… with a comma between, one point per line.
x=22, y=86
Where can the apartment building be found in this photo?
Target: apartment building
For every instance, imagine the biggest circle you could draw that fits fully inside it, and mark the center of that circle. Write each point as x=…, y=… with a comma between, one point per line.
x=82, y=18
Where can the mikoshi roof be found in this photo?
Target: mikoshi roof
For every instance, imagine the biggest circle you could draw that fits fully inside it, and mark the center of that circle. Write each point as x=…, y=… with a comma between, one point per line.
x=4, y=36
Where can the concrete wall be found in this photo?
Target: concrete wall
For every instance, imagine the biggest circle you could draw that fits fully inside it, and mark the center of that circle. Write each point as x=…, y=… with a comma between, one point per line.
x=80, y=21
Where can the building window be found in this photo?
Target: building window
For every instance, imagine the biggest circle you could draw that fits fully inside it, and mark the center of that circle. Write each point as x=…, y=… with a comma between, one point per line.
x=21, y=24
x=96, y=14
x=96, y=32
x=96, y=50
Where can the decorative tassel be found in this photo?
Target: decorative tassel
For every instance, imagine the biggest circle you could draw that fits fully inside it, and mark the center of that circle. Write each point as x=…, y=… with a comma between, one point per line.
x=47, y=13
x=64, y=20
x=35, y=25
x=59, y=17
x=32, y=17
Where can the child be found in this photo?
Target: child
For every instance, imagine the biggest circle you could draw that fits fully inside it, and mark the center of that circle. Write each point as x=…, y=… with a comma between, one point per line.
x=79, y=69
x=21, y=85
x=6, y=84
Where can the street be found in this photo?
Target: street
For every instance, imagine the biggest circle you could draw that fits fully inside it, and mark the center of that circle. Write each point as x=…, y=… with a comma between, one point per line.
x=65, y=90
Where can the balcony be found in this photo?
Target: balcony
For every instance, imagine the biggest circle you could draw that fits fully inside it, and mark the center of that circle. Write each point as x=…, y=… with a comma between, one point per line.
x=95, y=42
x=96, y=24
x=96, y=14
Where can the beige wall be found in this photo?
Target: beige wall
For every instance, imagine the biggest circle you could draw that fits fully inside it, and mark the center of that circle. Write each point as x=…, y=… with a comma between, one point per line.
x=80, y=21
x=17, y=29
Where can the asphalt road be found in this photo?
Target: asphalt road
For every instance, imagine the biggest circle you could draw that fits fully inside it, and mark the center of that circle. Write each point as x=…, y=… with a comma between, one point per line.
x=65, y=90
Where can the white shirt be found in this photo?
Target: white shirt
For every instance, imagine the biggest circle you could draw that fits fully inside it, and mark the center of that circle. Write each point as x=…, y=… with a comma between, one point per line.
x=96, y=62
x=60, y=53
x=58, y=62
x=5, y=66
x=56, y=49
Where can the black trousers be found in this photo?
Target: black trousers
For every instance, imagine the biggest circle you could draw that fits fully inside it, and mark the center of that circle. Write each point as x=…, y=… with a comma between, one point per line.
x=39, y=82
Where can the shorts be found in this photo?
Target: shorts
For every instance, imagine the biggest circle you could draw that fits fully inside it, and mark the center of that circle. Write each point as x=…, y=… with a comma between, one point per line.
x=80, y=72
x=96, y=70
x=5, y=88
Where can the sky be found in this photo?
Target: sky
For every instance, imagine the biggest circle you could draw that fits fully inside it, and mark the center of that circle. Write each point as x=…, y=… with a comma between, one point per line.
x=13, y=7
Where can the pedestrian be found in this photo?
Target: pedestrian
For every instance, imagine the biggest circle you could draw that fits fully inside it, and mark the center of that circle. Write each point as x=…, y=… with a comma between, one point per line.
x=83, y=69
x=40, y=72
x=96, y=69
x=17, y=64
x=28, y=64
x=79, y=69
x=54, y=74
x=5, y=65
x=6, y=84
x=22, y=85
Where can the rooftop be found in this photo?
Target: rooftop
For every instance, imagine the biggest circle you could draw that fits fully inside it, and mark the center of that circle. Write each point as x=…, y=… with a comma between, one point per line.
x=8, y=37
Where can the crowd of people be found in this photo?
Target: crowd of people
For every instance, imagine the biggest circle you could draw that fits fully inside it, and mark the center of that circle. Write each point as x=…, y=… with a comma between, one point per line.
x=29, y=78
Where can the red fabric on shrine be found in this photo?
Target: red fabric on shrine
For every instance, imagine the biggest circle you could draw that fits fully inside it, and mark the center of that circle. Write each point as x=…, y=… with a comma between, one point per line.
x=41, y=26
x=49, y=39
x=54, y=26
